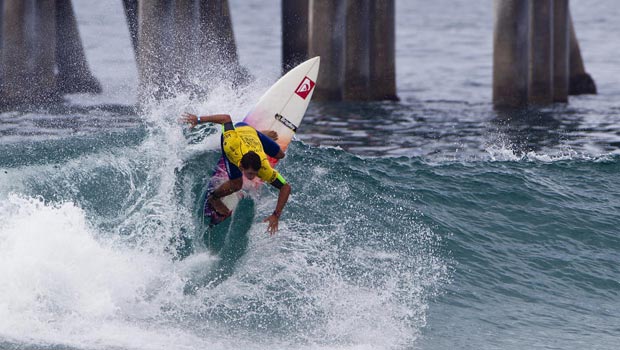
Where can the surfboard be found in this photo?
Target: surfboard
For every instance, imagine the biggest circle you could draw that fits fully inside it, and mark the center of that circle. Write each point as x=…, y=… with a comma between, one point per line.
x=280, y=109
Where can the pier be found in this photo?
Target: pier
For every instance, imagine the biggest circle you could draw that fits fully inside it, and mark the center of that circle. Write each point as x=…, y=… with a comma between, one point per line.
x=181, y=44
x=536, y=56
x=41, y=54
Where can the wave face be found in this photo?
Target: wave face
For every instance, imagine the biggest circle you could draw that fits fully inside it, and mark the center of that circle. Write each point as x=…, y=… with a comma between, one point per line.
x=101, y=245
x=534, y=246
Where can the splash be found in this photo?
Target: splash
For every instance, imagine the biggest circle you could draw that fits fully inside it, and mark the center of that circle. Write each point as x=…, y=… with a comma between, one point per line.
x=63, y=285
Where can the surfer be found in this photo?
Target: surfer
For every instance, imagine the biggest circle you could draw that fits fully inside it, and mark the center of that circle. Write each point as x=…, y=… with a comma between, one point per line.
x=245, y=151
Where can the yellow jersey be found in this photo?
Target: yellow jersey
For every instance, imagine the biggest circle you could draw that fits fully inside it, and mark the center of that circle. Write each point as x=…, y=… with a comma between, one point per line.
x=242, y=140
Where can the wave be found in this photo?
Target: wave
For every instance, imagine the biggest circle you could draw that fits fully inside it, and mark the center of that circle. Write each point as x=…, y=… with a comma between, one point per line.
x=100, y=246
x=102, y=243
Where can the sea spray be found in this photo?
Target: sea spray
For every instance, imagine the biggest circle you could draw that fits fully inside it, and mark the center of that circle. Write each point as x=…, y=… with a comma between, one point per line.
x=60, y=282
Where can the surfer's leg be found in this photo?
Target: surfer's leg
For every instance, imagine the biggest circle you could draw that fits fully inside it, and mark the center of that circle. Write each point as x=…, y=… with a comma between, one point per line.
x=270, y=146
x=268, y=133
x=227, y=188
x=234, y=184
x=217, y=205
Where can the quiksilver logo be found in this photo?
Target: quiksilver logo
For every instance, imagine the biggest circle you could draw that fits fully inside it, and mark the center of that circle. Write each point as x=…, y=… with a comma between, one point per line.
x=305, y=87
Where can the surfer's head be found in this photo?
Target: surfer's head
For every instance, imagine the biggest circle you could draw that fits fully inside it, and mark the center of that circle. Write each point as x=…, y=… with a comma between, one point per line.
x=250, y=165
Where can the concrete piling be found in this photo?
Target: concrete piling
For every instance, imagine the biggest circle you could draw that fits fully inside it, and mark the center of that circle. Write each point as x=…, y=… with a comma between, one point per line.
x=217, y=31
x=510, y=53
x=327, y=39
x=74, y=76
x=1, y=17
x=540, y=89
x=154, y=38
x=383, y=51
x=43, y=55
x=178, y=43
x=218, y=51
x=537, y=59
x=580, y=82
x=560, y=50
x=357, y=61
x=183, y=45
x=547, y=38
x=356, y=42
x=28, y=52
x=294, y=33
x=131, y=14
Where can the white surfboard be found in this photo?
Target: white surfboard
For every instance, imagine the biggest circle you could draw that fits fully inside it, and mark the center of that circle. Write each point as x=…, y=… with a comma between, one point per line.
x=283, y=106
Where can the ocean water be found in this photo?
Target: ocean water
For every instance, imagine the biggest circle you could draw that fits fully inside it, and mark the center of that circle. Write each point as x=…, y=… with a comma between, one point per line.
x=430, y=223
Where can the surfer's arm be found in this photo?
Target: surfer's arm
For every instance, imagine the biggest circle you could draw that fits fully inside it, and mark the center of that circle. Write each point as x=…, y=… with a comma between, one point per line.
x=274, y=218
x=194, y=120
x=285, y=191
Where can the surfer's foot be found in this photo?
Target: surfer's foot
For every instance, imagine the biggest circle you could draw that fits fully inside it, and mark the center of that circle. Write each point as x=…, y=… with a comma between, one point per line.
x=271, y=134
x=218, y=206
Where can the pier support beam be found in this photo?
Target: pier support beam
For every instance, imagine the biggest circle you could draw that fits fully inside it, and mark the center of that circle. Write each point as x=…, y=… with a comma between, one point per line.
x=1, y=66
x=580, y=82
x=131, y=14
x=185, y=53
x=510, y=53
x=357, y=62
x=183, y=45
x=294, y=33
x=42, y=55
x=327, y=39
x=74, y=76
x=356, y=42
x=536, y=56
x=560, y=50
x=218, y=47
x=28, y=52
x=155, y=41
x=540, y=89
x=383, y=51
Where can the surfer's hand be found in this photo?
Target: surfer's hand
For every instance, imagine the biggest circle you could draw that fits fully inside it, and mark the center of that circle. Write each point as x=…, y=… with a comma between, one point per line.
x=273, y=224
x=190, y=119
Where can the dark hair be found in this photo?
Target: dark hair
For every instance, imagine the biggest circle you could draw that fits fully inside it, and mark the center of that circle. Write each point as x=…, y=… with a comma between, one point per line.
x=251, y=160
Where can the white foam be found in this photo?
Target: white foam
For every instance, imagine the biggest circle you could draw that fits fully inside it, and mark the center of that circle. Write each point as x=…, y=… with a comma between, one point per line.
x=505, y=153
x=62, y=285
x=66, y=283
